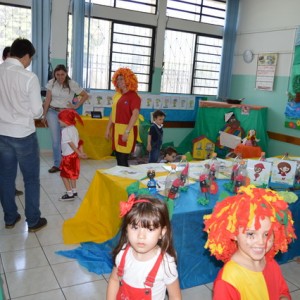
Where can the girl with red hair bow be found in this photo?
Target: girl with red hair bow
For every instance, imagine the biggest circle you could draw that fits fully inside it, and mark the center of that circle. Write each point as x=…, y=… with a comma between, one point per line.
x=145, y=259
x=71, y=148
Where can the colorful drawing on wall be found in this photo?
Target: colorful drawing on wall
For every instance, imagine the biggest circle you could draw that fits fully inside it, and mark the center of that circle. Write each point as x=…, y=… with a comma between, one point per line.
x=292, y=115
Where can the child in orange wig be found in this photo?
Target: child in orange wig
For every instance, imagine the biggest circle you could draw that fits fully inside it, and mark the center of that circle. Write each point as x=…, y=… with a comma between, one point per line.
x=246, y=231
x=71, y=147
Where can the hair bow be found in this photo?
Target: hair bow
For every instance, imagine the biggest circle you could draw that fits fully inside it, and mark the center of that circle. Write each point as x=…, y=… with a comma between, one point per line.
x=125, y=207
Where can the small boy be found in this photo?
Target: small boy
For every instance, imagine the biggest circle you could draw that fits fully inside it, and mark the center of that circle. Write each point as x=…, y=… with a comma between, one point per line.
x=170, y=155
x=71, y=148
x=155, y=136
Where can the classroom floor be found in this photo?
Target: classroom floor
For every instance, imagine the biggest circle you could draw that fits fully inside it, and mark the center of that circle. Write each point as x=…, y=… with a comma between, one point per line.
x=29, y=267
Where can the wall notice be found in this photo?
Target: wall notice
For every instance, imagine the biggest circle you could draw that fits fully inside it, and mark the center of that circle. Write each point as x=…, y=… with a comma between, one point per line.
x=265, y=72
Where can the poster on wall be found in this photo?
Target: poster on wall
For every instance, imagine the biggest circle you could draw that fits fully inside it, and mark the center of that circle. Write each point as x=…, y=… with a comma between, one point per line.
x=265, y=72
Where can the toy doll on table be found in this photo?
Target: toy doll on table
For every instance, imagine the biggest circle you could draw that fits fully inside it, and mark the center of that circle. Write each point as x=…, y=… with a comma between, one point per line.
x=249, y=147
x=232, y=126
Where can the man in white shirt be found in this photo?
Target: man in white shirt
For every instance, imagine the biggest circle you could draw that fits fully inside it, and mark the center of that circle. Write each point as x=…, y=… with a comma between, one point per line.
x=20, y=104
x=5, y=55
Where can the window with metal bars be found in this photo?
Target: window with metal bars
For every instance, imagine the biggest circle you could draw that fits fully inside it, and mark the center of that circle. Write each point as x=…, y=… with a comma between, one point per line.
x=207, y=63
x=204, y=11
x=191, y=63
x=132, y=47
x=146, y=6
x=112, y=45
x=15, y=22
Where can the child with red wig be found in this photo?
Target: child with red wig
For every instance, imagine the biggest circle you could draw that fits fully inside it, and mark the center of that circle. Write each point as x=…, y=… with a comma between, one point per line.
x=71, y=147
x=246, y=231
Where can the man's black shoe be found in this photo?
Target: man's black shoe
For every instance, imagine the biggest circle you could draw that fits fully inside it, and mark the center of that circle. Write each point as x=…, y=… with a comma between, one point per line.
x=10, y=226
x=54, y=170
x=18, y=193
x=40, y=224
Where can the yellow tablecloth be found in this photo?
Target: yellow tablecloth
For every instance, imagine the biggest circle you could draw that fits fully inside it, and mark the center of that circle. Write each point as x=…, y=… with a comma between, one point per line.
x=97, y=218
x=93, y=135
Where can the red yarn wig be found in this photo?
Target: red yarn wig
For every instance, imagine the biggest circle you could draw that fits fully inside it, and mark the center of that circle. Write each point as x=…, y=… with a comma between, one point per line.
x=130, y=78
x=239, y=211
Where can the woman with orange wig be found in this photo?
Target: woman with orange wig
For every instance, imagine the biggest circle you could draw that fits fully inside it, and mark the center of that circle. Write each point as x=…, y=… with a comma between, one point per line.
x=122, y=125
x=246, y=231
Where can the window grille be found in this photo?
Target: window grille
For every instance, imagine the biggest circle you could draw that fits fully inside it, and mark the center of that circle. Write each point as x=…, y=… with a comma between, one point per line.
x=204, y=11
x=191, y=63
x=146, y=6
x=207, y=65
x=132, y=48
x=15, y=22
x=111, y=46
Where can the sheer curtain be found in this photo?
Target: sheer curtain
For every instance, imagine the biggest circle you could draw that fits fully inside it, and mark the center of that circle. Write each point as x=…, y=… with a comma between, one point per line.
x=41, y=33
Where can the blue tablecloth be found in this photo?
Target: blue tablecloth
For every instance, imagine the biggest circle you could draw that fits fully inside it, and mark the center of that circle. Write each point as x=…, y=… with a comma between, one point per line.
x=195, y=265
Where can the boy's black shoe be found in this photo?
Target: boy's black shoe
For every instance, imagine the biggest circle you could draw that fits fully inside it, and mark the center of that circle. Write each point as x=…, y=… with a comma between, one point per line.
x=66, y=197
x=40, y=224
x=10, y=226
x=75, y=194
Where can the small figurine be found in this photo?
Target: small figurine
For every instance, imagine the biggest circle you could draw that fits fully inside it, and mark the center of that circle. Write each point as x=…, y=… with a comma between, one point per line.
x=173, y=193
x=250, y=139
x=184, y=175
x=152, y=182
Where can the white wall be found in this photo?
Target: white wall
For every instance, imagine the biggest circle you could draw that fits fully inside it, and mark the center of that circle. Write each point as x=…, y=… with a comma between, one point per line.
x=267, y=26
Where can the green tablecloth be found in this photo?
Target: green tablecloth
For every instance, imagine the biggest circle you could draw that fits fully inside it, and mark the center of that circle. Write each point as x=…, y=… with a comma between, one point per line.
x=210, y=120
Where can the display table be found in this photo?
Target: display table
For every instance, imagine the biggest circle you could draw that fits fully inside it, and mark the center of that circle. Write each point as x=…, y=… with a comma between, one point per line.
x=98, y=220
x=93, y=135
x=210, y=120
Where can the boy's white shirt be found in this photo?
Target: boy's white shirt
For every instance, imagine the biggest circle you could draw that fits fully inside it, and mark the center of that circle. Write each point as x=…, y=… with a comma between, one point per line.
x=68, y=134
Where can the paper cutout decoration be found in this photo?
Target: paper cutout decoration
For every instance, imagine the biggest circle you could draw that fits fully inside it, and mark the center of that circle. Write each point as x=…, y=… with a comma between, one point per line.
x=259, y=172
x=283, y=172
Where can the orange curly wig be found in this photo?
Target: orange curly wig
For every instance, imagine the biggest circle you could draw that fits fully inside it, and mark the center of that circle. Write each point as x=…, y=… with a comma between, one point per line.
x=239, y=211
x=130, y=78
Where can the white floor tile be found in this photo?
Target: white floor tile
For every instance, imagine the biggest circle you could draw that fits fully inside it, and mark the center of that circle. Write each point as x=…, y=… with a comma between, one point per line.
x=51, y=295
x=198, y=292
x=54, y=258
x=18, y=241
x=31, y=281
x=24, y=259
x=50, y=235
x=95, y=290
x=71, y=273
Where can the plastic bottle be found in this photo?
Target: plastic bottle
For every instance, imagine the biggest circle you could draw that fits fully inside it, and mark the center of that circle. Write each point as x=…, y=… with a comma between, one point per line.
x=262, y=156
x=183, y=171
x=235, y=166
x=214, y=165
x=172, y=183
x=241, y=176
